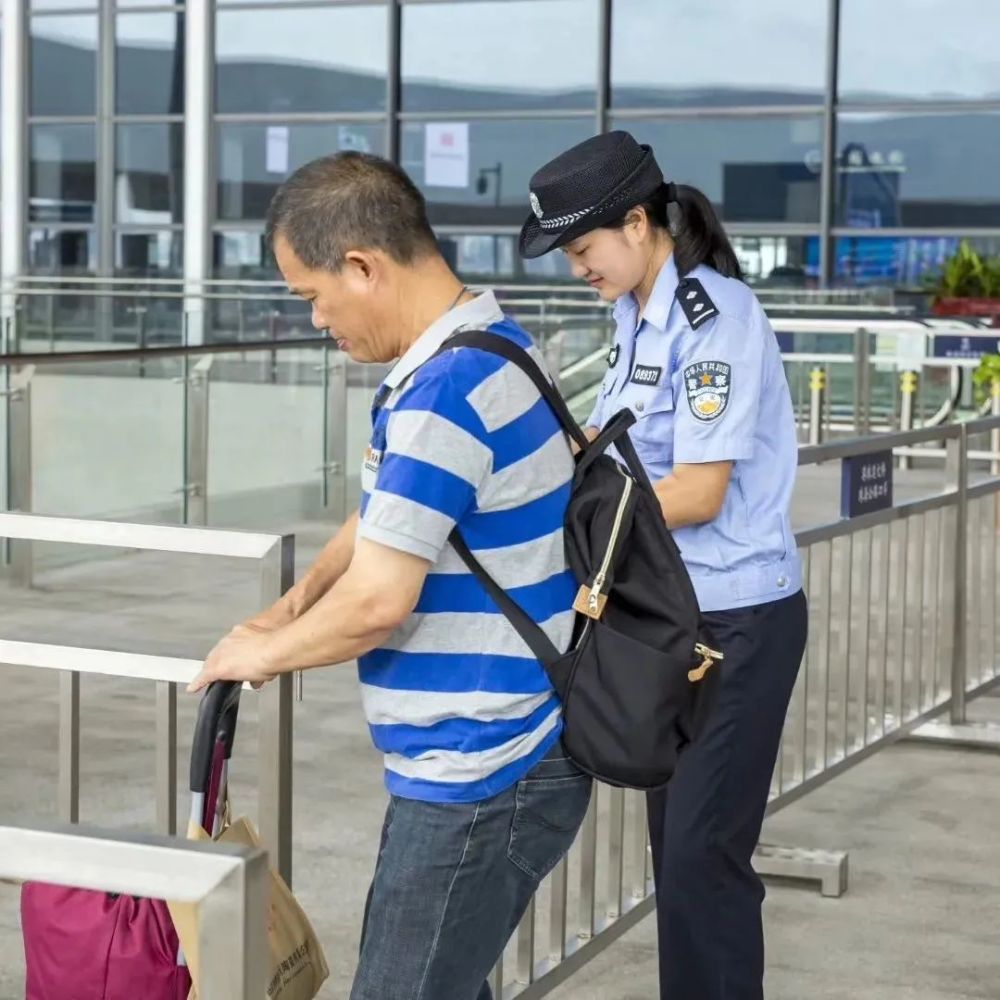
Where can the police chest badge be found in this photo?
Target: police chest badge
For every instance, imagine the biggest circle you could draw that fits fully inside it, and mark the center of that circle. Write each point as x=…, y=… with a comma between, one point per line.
x=708, y=384
x=613, y=356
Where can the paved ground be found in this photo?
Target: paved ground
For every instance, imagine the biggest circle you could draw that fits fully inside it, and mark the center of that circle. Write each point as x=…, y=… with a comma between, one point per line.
x=919, y=922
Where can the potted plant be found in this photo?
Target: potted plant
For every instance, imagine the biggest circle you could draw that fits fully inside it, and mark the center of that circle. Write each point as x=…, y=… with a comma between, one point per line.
x=968, y=285
x=987, y=378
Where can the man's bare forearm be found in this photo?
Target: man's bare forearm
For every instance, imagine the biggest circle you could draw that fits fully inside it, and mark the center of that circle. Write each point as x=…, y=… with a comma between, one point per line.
x=329, y=566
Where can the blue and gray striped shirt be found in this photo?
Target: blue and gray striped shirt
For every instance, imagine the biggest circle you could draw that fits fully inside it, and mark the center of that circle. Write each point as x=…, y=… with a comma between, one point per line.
x=454, y=699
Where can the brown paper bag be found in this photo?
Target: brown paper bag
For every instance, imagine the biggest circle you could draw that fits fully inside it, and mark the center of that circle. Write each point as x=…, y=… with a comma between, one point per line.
x=298, y=966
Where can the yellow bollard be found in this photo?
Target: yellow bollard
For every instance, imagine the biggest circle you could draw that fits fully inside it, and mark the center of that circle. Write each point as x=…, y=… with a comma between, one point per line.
x=908, y=388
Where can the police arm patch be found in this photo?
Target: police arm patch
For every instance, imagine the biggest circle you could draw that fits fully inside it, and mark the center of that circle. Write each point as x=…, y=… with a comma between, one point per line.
x=708, y=385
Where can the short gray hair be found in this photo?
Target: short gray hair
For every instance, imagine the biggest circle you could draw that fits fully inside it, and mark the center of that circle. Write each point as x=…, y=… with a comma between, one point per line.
x=350, y=201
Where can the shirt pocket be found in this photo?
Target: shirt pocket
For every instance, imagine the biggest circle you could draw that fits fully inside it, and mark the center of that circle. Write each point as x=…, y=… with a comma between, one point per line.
x=653, y=432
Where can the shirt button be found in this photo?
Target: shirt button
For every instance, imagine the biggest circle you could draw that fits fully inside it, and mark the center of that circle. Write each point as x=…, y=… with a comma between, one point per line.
x=782, y=582
x=640, y=407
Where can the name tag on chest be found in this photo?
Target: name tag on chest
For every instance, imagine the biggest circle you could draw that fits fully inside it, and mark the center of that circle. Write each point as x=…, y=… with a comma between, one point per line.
x=646, y=375
x=373, y=459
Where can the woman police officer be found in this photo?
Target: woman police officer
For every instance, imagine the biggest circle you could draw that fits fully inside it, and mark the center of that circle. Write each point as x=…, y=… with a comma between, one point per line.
x=697, y=362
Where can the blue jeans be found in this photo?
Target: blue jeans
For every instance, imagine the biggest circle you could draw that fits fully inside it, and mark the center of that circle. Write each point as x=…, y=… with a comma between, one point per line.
x=453, y=880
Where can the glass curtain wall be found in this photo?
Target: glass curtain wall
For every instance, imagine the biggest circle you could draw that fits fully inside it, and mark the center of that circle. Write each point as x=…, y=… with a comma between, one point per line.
x=888, y=171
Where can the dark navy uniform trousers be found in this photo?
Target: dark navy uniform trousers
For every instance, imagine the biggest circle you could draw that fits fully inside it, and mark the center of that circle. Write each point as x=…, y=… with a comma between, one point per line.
x=704, y=826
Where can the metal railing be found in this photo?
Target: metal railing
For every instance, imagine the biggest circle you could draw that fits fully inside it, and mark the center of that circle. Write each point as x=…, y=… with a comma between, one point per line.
x=275, y=557
x=903, y=627
x=900, y=631
x=317, y=395
x=868, y=678
x=229, y=882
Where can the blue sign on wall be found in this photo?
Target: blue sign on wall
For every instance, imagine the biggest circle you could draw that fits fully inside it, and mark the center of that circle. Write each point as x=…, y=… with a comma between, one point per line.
x=865, y=484
x=952, y=346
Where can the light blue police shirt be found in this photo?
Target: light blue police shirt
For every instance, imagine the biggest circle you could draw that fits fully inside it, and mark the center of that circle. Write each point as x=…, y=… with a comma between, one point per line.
x=711, y=394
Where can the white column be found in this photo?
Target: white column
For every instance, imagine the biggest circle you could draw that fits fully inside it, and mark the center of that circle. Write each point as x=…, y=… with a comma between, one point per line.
x=199, y=200
x=13, y=139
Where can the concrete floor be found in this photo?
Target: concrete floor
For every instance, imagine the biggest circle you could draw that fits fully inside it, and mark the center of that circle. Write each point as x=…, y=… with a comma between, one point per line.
x=919, y=921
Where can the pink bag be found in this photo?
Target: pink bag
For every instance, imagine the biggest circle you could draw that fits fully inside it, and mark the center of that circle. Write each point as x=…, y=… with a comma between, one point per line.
x=83, y=945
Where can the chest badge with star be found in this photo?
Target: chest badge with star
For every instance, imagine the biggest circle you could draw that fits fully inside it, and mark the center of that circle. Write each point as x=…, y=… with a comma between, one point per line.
x=708, y=385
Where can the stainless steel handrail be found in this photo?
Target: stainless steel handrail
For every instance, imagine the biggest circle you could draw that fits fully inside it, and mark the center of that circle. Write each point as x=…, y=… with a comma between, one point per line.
x=229, y=882
x=275, y=555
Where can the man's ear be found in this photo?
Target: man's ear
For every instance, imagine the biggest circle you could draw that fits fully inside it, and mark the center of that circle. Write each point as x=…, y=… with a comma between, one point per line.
x=365, y=265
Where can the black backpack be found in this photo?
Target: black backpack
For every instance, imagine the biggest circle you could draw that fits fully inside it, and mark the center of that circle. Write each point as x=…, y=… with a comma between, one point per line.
x=637, y=681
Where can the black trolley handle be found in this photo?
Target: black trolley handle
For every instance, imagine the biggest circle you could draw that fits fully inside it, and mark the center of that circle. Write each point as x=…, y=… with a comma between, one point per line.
x=211, y=748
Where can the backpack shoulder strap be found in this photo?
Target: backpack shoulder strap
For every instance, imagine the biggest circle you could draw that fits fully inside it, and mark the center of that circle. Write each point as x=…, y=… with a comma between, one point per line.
x=530, y=631
x=493, y=343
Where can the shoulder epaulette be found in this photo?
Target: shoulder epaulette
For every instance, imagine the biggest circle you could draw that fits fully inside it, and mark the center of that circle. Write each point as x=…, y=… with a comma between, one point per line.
x=695, y=301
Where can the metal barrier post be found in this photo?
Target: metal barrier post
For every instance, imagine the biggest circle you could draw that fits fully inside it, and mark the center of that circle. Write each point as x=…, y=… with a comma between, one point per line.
x=553, y=354
x=995, y=434
x=195, y=488
x=335, y=432
x=274, y=727
x=166, y=757
x=19, y=471
x=958, y=460
x=862, y=383
x=817, y=390
x=140, y=335
x=907, y=388
x=69, y=746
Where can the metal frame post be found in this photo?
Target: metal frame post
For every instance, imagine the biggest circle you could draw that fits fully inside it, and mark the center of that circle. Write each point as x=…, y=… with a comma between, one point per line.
x=603, y=106
x=828, y=176
x=20, y=493
x=862, y=383
x=553, y=352
x=959, y=462
x=393, y=84
x=199, y=200
x=232, y=932
x=105, y=165
x=69, y=746
x=196, y=396
x=166, y=757
x=13, y=140
x=274, y=729
x=335, y=411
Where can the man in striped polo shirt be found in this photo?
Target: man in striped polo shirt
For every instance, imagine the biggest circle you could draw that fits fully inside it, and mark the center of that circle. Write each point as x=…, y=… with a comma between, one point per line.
x=483, y=801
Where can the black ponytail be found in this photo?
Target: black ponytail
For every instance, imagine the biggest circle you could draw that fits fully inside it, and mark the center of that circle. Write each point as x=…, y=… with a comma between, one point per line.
x=693, y=226
x=699, y=237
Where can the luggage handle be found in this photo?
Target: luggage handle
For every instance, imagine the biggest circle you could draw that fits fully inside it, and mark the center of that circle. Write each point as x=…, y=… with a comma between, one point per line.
x=216, y=724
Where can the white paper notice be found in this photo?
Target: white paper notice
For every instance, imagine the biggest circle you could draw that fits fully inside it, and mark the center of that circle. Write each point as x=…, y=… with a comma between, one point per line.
x=276, y=152
x=446, y=155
